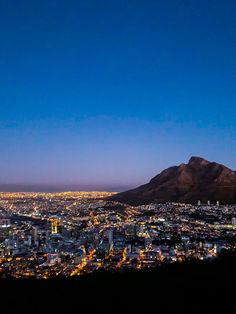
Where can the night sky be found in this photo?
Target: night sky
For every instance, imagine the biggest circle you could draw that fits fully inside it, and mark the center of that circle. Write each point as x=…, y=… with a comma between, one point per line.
x=105, y=94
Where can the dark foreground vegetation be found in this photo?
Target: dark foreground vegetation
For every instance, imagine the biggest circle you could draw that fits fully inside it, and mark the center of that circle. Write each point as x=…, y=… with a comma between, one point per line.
x=188, y=287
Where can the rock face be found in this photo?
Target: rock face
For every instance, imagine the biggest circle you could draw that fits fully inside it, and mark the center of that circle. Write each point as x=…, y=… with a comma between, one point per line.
x=187, y=183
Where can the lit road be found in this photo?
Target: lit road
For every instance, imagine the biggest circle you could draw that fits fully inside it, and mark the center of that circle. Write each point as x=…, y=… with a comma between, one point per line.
x=83, y=263
x=123, y=259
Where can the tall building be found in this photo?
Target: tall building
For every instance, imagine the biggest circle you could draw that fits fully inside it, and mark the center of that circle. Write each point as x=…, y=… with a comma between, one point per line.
x=29, y=240
x=35, y=234
x=110, y=238
x=54, y=226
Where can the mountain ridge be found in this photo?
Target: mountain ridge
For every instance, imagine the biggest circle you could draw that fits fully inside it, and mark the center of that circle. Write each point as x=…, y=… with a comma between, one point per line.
x=199, y=179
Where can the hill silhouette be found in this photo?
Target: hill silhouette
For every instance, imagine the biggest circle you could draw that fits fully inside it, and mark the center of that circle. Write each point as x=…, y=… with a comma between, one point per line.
x=177, y=287
x=199, y=179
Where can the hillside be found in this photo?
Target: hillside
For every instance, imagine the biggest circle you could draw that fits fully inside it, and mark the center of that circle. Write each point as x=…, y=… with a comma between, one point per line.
x=199, y=179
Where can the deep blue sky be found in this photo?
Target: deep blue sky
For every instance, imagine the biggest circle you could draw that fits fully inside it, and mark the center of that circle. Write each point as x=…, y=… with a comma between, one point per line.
x=108, y=93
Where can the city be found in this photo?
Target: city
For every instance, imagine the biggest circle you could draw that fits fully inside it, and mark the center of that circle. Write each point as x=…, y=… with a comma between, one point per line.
x=118, y=160
x=48, y=235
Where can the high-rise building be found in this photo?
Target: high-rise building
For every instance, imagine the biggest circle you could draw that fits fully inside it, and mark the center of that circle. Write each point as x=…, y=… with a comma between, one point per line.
x=54, y=226
x=35, y=234
x=29, y=240
x=110, y=238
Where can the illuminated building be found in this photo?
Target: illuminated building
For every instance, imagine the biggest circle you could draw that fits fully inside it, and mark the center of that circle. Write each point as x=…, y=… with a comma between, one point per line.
x=5, y=222
x=54, y=226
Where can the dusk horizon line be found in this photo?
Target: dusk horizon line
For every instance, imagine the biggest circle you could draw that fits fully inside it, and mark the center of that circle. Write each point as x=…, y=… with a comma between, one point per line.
x=47, y=188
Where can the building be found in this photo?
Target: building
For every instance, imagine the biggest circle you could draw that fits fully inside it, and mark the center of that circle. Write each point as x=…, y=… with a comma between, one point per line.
x=5, y=223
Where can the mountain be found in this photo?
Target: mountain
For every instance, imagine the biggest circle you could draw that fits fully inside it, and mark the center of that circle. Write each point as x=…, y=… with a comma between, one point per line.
x=199, y=179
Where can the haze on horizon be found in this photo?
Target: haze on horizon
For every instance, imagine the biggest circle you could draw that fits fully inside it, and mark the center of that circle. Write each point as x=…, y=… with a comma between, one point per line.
x=109, y=93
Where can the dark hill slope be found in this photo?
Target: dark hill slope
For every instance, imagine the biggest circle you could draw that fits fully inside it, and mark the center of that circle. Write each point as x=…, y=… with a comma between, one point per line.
x=188, y=287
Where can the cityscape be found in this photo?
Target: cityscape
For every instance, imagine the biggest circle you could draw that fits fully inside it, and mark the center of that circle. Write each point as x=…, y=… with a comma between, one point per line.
x=118, y=160
x=49, y=235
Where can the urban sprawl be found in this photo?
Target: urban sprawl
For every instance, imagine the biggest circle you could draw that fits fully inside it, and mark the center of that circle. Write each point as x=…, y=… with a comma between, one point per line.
x=46, y=235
